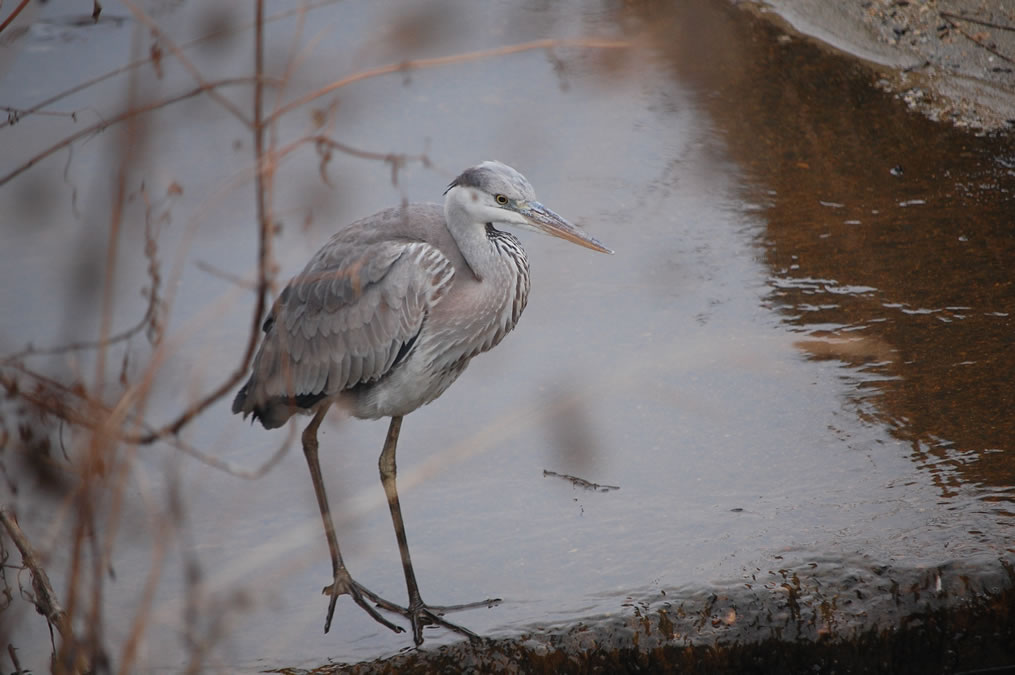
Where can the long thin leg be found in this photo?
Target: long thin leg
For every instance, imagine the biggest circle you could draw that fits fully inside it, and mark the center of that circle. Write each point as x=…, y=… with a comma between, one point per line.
x=343, y=583
x=419, y=614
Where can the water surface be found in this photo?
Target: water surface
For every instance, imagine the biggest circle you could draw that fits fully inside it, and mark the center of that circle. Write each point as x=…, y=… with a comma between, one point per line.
x=797, y=354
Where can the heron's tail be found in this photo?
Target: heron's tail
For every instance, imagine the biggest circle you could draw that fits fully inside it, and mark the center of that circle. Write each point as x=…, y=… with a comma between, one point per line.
x=272, y=413
x=240, y=402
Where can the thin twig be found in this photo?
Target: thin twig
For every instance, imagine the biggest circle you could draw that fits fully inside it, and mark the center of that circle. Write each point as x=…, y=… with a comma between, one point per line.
x=14, y=659
x=214, y=271
x=161, y=36
x=101, y=451
x=150, y=315
x=143, y=616
x=17, y=113
x=325, y=144
x=211, y=35
x=125, y=334
x=45, y=598
x=394, y=158
x=262, y=181
x=102, y=126
x=93, y=410
x=14, y=15
x=235, y=469
x=950, y=18
x=980, y=22
x=418, y=64
x=580, y=482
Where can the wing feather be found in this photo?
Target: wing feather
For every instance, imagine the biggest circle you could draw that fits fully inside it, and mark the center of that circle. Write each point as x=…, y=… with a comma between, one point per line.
x=343, y=320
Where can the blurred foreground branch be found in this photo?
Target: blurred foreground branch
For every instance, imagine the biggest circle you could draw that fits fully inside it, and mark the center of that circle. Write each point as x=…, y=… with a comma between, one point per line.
x=45, y=598
x=465, y=57
x=13, y=15
x=122, y=117
x=73, y=658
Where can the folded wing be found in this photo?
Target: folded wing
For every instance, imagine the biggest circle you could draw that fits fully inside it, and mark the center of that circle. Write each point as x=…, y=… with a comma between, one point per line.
x=347, y=319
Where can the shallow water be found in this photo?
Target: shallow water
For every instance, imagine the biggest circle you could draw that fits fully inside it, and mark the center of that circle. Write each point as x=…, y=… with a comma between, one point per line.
x=798, y=352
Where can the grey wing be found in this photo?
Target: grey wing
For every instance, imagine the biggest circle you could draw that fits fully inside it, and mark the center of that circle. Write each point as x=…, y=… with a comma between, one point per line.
x=345, y=320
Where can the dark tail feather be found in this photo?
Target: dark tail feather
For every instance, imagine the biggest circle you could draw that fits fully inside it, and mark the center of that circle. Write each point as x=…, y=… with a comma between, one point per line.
x=241, y=400
x=274, y=412
x=240, y=406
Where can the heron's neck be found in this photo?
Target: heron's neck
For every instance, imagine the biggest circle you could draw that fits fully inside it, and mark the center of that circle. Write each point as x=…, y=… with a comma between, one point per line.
x=472, y=241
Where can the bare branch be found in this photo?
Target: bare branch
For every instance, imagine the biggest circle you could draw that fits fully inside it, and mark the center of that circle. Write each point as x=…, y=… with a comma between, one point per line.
x=14, y=15
x=580, y=482
x=952, y=18
x=325, y=144
x=149, y=319
x=234, y=469
x=59, y=400
x=17, y=114
x=397, y=160
x=186, y=63
x=418, y=64
x=102, y=126
x=45, y=599
x=141, y=619
x=263, y=178
x=979, y=22
x=214, y=271
x=14, y=658
x=125, y=334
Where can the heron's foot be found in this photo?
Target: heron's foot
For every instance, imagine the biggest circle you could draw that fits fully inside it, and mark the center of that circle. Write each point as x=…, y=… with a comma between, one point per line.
x=421, y=615
x=345, y=585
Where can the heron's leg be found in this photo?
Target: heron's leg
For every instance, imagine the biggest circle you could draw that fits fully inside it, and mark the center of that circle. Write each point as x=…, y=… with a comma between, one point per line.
x=343, y=583
x=419, y=614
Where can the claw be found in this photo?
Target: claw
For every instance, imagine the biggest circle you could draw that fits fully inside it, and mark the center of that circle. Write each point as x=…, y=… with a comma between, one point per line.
x=345, y=585
x=421, y=615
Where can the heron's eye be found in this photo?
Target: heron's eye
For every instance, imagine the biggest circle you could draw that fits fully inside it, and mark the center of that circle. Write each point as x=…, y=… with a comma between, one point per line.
x=501, y=199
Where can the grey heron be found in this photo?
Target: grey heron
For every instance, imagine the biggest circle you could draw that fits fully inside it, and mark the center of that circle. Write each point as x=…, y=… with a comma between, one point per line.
x=384, y=317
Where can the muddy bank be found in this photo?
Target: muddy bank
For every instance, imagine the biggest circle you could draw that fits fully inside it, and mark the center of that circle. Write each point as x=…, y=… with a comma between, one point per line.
x=952, y=61
x=826, y=616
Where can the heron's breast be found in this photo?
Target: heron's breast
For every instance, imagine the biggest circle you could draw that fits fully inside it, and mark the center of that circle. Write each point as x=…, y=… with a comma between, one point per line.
x=413, y=383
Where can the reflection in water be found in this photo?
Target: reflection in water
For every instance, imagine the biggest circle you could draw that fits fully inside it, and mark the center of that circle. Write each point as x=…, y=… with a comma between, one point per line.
x=888, y=237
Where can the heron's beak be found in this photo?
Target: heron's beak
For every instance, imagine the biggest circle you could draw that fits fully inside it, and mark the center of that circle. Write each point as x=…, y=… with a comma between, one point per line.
x=548, y=222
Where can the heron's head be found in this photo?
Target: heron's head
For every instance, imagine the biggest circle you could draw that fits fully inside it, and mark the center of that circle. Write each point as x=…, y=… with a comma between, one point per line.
x=495, y=193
